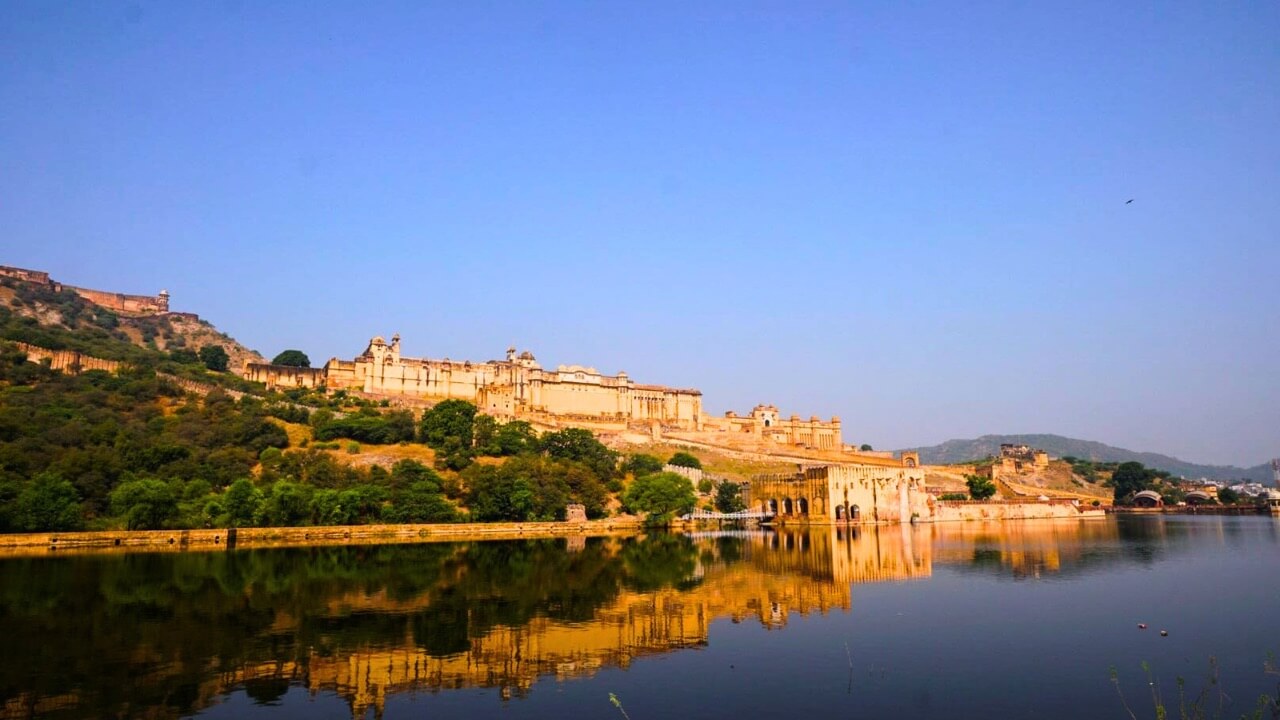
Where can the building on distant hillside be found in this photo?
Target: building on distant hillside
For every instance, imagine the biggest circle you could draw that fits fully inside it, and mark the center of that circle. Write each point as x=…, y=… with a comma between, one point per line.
x=514, y=387
x=765, y=423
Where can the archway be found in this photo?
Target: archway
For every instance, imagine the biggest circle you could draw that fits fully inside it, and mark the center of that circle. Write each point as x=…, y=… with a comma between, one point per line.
x=773, y=507
x=839, y=512
x=787, y=506
x=911, y=462
x=802, y=506
x=854, y=513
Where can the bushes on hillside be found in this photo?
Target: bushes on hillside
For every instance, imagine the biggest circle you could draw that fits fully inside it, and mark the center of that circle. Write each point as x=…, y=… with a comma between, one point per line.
x=394, y=427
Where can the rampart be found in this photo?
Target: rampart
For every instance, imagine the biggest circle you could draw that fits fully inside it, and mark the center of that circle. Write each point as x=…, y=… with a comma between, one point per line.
x=116, y=302
x=68, y=361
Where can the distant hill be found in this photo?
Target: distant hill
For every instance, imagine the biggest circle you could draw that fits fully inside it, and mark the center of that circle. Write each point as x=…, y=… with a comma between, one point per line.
x=954, y=451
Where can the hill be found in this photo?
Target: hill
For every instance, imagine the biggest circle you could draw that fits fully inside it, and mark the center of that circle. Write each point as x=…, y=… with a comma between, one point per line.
x=52, y=305
x=955, y=451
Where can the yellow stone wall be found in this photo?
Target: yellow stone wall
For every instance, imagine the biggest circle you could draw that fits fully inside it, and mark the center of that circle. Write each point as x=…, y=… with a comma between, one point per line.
x=514, y=387
x=845, y=492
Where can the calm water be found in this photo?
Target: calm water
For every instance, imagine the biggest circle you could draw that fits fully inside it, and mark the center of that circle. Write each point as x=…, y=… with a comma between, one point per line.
x=1019, y=620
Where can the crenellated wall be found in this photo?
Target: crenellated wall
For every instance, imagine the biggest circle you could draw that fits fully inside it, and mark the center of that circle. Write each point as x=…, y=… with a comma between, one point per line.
x=68, y=361
x=126, y=304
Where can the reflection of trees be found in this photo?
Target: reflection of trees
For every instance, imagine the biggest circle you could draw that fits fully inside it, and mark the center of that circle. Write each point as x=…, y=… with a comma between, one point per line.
x=122, y=633
x=659, y=561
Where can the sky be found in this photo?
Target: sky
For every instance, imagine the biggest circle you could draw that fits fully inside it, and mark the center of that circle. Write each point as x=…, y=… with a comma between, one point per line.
x=911, y=215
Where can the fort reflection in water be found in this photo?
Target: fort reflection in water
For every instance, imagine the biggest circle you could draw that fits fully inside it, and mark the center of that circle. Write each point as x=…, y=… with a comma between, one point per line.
x=164, y=635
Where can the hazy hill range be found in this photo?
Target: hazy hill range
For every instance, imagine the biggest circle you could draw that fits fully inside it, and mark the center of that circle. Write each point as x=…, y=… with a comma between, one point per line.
x=954, y=451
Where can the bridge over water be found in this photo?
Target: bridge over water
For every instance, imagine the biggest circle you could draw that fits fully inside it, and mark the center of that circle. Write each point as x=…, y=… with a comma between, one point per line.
x=742, y=515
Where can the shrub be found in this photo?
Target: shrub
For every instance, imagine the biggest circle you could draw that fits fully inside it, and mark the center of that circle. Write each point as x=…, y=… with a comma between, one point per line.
x=684, y=459
x=641, y=464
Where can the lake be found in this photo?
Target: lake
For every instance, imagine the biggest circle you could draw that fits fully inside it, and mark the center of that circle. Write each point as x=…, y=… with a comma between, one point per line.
x=963, y=620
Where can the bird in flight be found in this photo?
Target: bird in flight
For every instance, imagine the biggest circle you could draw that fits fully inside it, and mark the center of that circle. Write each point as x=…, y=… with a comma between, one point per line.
x=1126, y=202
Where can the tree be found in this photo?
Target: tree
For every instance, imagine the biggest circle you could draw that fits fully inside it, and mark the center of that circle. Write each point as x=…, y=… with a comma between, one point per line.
x=684, y=459
x=641, y=464
x=448, y=419
x=865, y=448
x=215, y=358
x=581, y=446
x=980, y=488
x=421, y=502
x=292, y=358
x=1128, y=479
x=240, y=503
x=146, y=504
x=48, y=503
x=515, y=437
x=285, y=504
x=1227, y=496
x=729, y=497
x=660, y=496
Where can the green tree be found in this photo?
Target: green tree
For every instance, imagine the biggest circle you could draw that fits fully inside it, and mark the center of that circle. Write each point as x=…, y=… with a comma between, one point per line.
x=1128, y=479
x=684, y=459
x=495, y=495
x=411, y=472
x=729, y=497
x=483, y=435
x=515, y=437
x=866, y=448
x=240, y=503
x=581, y=446
x=980, y=488
x=145, y=504
x=529, y=488
x=660, y=496
x=421, y=502
x=448, y=419
x=285, y=504
x=48, y=503
x=641, y=464
x=292, y=358
x=215, y=358
x=1227, y=496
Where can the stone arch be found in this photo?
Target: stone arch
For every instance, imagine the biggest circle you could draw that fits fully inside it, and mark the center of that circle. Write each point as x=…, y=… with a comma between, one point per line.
x=788, y=507
x=839, y=512
x=855, y=513
x=773, y=506
x=802, y=506
x=911, y=462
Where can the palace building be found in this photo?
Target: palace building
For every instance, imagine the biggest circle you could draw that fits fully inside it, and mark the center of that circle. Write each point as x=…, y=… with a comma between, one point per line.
x=516, y=386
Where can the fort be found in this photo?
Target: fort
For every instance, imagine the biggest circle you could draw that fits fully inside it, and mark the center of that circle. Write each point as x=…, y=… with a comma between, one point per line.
x=115, y=302
x=516, y=386
x=519, y=387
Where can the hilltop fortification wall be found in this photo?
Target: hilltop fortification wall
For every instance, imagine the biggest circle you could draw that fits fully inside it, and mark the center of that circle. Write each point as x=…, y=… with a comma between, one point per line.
x=116, y=302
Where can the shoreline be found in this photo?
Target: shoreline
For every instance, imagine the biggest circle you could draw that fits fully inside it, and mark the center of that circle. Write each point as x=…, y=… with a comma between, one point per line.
x=39, y=544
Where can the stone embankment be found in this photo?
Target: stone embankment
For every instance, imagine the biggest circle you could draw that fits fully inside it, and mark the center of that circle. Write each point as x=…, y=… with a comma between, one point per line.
x=949, y=511
x=228, y=538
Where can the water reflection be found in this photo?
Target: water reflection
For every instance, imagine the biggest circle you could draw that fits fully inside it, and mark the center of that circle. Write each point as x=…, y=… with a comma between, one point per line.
x=164, y=635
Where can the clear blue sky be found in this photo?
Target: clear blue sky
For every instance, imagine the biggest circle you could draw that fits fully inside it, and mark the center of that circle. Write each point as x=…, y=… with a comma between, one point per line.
x=912, y=216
